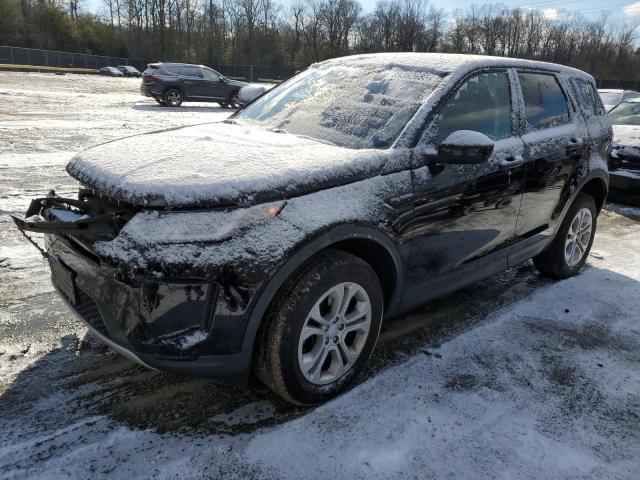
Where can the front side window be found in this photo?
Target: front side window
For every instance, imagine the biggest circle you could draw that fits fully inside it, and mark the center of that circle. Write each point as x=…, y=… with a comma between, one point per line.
x=210, y=75
x=481, y=104
x=544, y=101
x=350, y=105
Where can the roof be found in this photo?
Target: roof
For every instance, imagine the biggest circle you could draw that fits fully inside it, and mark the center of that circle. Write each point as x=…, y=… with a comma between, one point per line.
x=446, y=63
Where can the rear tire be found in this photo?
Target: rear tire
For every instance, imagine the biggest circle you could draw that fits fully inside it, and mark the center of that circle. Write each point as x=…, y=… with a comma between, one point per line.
x=173, y=97
x=568, y=252
x=321, y=329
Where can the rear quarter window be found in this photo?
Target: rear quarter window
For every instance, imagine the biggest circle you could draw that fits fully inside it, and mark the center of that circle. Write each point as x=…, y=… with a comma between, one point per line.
x=591, y=102
x=544, y=100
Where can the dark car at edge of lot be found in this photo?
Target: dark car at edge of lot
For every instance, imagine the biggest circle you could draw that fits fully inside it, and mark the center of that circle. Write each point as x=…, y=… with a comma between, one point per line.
x=624, y=164
x=129, y=71
x=111, y=72
x=354, y=191
x=170, y=84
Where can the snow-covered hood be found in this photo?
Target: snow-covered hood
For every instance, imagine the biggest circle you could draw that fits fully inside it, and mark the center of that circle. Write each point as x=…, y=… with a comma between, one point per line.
x=217, y=164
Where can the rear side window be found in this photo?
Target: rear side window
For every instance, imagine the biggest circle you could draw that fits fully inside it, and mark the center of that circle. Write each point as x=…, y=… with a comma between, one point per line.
x=170, y=69
x=481, y=104
x=150, y=70
x=191, y=72
x=544, y=101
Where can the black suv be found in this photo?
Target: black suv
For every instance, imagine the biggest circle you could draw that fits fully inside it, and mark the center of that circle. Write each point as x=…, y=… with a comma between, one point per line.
x=171, y=84
x=350, y=193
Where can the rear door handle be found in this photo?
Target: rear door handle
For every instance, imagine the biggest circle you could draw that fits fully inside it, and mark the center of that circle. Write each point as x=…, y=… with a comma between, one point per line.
x=512, y=161
x=577, y=149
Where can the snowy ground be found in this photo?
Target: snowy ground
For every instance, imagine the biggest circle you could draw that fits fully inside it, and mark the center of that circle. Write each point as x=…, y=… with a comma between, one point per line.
x=516, y=377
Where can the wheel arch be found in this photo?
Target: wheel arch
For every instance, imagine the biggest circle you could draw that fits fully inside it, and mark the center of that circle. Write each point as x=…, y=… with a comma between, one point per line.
x=369, y=244
x=173, y=87
x=597, y=188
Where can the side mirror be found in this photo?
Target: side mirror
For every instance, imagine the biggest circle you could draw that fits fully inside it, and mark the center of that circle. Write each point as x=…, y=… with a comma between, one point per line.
x=464, y=147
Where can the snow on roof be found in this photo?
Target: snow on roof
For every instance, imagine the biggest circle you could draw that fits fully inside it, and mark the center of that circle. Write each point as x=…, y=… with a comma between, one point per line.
x=445, y=63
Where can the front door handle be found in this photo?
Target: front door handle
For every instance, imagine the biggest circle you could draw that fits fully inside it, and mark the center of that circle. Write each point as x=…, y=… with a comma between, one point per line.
x=512, y=161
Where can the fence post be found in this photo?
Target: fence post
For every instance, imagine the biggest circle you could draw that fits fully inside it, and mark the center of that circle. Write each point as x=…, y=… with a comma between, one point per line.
x=28, y=57
x=12, y=61
x=251, y=73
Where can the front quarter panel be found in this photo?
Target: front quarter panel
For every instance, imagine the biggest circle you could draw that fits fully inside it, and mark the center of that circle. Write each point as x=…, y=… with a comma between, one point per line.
x=246, y=265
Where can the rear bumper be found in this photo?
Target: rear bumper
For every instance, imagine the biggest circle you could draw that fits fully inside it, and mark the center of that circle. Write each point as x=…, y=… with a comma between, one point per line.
x=163, y=325
x=149, y=90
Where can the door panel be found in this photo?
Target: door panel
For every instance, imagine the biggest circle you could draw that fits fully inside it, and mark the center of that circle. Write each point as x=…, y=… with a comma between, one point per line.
x=554, y=148
x=464, y=212
x=465, y=215
x=213, y=86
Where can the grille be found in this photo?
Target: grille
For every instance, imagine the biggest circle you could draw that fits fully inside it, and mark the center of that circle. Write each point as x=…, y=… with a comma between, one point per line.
x=88, y=310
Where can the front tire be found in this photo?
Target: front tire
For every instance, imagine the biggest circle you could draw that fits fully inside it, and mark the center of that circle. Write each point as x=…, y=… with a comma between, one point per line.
x=173, y=97
x=569, y=250
x=321, y=330
x=232, y=101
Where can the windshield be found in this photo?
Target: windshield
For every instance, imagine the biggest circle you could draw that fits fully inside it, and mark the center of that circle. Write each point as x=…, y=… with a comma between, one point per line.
x=627, y=113
x=610, y=98
x=349, y=106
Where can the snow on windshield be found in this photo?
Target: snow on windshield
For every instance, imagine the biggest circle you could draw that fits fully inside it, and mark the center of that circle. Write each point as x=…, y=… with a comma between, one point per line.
x=627, y=113
x=350, y=106
x=610, y=98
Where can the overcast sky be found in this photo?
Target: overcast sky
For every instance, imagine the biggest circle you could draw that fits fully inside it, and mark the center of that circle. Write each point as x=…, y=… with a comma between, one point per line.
x=619, y=10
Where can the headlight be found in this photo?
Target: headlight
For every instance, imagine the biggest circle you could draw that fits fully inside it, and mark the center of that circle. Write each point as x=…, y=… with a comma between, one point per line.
x=166, y=227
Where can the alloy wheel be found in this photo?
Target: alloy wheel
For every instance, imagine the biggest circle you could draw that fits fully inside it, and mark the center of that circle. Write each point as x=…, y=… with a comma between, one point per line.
x=173, y=98
x=334, y=333
x=578, y=237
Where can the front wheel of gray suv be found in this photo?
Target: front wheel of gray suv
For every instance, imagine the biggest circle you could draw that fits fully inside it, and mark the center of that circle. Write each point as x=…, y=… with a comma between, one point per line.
x=173, y=97
x=569, y=250
x=321, y=330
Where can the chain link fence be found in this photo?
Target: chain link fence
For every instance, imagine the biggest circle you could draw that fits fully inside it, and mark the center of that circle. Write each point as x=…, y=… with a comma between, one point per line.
x=622, y=84
x=55, y=59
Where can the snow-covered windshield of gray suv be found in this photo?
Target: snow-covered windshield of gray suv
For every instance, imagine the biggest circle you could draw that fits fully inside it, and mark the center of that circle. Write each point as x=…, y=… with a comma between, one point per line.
x=610, y=98
x=349, y=106
x=626, y=113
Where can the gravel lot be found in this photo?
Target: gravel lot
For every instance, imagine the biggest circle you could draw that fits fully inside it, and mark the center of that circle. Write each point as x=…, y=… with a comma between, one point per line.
x=513, y=377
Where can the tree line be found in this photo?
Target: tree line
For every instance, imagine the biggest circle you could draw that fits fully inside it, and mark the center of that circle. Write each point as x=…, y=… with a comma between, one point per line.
x=265, y=32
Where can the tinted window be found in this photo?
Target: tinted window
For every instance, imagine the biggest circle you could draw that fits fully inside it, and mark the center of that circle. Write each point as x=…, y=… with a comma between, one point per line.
x=481, y=104
x=544, y=101
x=191, y=72
x=150, y=70
x=210, y=75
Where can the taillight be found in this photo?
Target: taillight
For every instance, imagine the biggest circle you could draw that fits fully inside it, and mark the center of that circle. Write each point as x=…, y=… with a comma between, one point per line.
x=152, y=78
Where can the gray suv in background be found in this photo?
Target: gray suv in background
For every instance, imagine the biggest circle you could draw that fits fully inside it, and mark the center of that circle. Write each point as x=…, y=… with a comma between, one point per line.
x=170, y=84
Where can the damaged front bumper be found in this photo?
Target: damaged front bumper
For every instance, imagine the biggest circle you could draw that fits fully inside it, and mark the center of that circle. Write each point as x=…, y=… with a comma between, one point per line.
x=166, y=322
